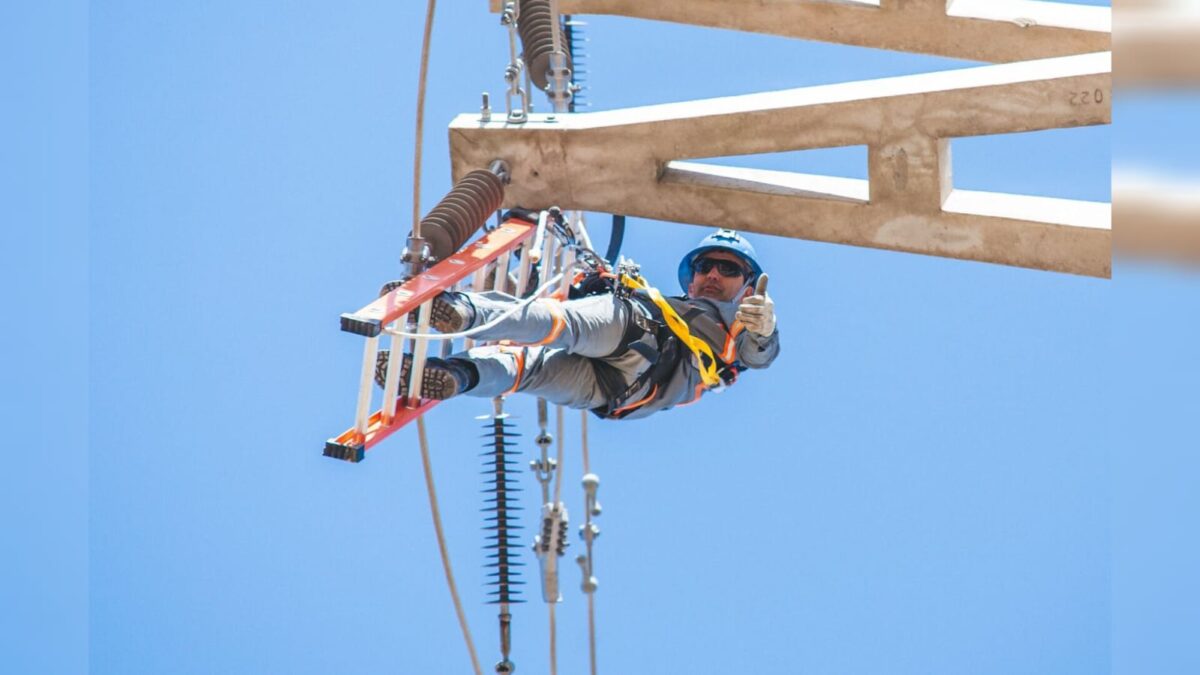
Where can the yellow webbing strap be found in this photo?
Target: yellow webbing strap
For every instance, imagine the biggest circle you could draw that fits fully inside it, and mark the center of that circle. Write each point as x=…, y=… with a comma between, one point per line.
x=704, y=354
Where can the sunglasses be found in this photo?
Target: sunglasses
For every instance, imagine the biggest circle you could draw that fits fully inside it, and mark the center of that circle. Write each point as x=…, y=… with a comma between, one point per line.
x=726, y=268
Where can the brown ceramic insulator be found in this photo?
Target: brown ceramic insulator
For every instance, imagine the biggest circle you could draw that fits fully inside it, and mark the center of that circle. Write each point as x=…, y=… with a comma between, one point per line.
x=536, y=25
x=462, y=212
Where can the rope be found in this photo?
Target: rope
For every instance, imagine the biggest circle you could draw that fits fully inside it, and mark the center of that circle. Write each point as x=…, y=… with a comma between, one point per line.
x=553, y=642
x=441, y=539
x=416, y=202
x=558, y=414
x=583, y=419
x=592, y=632
x=434, y=512
x=591, y=597
x=558, y=474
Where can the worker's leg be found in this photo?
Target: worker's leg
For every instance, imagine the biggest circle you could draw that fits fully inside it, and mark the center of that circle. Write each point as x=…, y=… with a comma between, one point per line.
x=591, y=326
x=553, y=374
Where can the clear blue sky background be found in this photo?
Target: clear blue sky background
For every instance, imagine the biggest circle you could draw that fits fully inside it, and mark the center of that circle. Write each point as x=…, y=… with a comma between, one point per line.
x=952, y=467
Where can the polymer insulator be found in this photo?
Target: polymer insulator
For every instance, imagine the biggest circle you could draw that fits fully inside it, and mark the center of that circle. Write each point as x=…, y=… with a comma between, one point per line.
x=462, y=212
x=573, y=36
x=536, y=26
x=504, y=542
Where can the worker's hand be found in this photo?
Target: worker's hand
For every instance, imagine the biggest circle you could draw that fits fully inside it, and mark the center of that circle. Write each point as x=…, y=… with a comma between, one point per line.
x=757, y=312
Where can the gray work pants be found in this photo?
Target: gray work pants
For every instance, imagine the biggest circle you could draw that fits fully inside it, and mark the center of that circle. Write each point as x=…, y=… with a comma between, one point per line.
x=554, y=346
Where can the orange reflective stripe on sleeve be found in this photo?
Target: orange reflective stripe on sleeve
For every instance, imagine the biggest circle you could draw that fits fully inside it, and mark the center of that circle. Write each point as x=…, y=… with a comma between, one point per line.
x=518, y=355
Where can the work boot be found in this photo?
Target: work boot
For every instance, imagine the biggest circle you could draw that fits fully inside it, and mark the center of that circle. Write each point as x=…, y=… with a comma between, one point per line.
x=390, y=286
x=452, y=312
x=444, y=378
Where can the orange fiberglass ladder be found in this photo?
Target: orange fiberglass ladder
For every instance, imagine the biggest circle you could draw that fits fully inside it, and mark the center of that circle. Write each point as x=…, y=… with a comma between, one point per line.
x=493, y=251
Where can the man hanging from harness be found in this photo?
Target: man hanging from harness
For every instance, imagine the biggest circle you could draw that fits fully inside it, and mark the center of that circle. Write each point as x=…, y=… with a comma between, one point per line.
x=618, y=347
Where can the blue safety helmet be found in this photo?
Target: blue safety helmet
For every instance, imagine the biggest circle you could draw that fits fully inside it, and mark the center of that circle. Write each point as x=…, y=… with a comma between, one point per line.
x=721, y=240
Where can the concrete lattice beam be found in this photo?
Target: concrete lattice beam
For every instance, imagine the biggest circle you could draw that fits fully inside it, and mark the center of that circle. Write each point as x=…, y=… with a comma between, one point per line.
x=632, y=162
x=982, y=30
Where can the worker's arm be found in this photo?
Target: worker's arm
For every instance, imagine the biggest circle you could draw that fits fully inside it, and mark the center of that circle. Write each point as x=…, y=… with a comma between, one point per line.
x=758, y=344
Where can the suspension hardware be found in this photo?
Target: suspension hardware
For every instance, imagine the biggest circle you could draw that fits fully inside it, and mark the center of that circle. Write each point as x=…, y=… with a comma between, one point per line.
x=500, y=168
x=549, y=546
x=551, y=542
x=543, y=467
x=416, y=256
x=589, y=531
x=513, y=71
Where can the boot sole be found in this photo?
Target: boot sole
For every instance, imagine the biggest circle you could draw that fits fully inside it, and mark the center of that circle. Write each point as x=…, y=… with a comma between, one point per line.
x=438, y=383
x=444, y=318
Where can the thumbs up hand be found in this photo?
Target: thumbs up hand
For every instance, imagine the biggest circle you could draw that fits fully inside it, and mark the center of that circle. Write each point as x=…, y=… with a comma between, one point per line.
x=757, y=312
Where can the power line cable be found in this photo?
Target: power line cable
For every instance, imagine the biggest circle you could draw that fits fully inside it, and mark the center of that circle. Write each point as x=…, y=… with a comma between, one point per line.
x=426, y=465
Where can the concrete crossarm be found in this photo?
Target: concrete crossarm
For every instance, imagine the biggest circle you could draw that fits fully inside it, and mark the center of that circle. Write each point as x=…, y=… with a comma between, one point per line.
x=627, y=162
x=982, y=30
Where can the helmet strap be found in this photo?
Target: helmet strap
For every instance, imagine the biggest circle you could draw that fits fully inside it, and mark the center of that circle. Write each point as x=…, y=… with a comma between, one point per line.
x=749, y=284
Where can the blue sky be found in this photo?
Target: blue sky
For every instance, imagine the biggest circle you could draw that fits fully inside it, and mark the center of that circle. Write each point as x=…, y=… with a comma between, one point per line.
x=952, y=467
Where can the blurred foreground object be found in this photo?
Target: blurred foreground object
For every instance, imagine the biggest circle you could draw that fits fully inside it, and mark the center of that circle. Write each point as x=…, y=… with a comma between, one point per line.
x=1156, y=213
x=1156, y=217
x=1156, y=43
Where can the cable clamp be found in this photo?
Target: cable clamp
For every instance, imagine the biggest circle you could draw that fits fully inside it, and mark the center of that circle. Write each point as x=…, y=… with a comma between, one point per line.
x=549, y=546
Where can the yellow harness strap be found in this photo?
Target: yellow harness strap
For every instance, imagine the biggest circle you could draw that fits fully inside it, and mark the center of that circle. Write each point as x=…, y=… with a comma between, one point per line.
x=703, y=353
